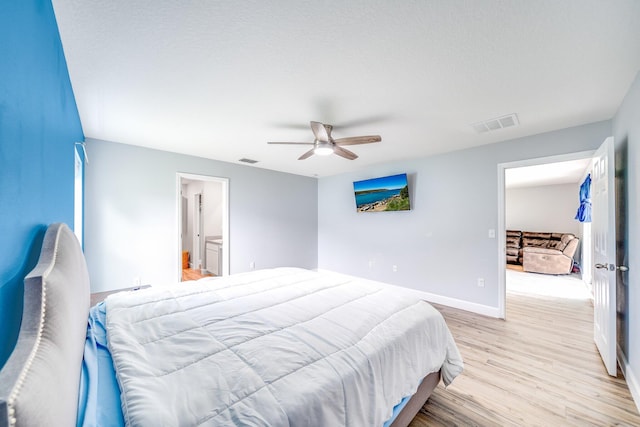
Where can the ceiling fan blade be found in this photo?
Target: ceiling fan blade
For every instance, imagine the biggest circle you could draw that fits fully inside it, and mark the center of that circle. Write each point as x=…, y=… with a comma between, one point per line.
x=343, y=152
x=319, y=131
x=292, y=143
x=307, y=154
x=354, y=140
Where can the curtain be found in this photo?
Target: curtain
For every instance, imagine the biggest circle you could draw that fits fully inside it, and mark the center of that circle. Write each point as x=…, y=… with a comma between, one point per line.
x=584, y=210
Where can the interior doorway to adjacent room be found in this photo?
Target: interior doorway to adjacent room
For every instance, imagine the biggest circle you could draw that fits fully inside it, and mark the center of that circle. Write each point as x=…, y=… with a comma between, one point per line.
x=537, y=172
x=203, y=229
x=602, y=243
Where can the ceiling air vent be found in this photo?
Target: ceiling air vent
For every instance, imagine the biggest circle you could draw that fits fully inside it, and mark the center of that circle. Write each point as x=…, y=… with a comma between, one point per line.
x=497, y=123
x=250, y=161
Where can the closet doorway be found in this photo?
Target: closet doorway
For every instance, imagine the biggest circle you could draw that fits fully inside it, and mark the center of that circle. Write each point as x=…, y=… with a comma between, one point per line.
x=203, y=226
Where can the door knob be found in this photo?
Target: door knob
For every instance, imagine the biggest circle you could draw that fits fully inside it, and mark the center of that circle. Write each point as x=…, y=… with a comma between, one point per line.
x=612, y=267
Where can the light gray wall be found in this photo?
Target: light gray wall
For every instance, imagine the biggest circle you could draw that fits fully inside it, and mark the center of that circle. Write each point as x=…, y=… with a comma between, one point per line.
x=441, y=246
x=626, y=131
x=550, y=208
x=212, y=208
x=187, y=242
x=131, y=226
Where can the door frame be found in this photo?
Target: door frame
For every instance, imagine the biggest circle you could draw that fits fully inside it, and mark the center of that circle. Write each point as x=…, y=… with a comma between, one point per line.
x=502, y=241
x=225, y=219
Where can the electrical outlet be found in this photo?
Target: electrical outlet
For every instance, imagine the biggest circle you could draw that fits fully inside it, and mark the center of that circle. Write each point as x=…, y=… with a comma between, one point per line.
x=492, y=233
x=137, y=281
x=394, y=268
x=252, y=265
x=481, y=283
x=370, y=264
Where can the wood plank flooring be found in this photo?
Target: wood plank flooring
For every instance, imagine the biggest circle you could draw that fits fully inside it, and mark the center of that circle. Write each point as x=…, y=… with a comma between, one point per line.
x=193, y=274
x=540, y=367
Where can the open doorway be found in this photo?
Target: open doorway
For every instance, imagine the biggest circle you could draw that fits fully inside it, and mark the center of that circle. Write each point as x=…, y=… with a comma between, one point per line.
x=603, y=244
x=203, y=239
x=534, y=175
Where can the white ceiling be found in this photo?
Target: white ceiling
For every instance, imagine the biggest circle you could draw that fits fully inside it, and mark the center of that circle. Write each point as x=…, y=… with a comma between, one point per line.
x=219, y=79
x=568, y=172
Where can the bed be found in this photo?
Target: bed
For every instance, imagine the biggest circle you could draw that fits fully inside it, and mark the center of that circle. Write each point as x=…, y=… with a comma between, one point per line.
x=275, y=347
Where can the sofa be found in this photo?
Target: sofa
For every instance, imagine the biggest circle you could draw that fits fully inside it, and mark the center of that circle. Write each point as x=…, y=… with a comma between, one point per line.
x=514, y=247
x=541, y=252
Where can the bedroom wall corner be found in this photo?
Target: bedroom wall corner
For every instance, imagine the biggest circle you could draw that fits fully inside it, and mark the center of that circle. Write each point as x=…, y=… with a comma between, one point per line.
x=39, y=124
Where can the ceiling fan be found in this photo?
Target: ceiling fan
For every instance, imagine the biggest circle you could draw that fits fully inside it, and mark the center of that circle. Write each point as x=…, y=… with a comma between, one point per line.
x=324, y=144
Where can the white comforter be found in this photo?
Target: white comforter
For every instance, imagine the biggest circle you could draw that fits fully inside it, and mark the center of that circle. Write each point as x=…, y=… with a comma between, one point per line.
x=273, y=348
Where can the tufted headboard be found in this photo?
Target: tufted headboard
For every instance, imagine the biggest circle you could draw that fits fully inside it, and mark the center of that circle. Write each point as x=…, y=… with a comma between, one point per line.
x=39, y=383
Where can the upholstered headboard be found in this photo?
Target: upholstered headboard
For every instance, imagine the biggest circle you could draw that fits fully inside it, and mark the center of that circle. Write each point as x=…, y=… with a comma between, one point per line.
x=39, y=383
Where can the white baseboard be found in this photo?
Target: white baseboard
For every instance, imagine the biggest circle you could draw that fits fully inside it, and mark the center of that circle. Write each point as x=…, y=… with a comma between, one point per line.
x=632, y=380
x=473, y=307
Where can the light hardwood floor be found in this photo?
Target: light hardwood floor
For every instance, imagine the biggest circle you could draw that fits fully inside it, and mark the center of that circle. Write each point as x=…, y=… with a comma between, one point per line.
x=540, y=367
x=193, y=274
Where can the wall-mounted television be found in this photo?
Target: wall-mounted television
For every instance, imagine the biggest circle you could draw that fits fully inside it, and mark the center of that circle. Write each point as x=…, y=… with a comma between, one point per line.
x=388, y=193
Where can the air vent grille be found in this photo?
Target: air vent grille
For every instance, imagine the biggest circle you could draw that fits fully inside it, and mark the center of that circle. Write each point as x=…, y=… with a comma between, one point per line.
x=250, y=161
x=495, y=124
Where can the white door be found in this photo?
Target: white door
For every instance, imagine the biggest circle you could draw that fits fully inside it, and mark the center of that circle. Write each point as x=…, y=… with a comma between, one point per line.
x=604, y=254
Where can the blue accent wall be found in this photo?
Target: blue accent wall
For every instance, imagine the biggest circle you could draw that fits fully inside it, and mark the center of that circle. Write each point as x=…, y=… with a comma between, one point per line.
x=39, y=125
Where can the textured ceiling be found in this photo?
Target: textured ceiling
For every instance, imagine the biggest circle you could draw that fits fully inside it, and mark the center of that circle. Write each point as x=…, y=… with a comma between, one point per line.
x=219, y=79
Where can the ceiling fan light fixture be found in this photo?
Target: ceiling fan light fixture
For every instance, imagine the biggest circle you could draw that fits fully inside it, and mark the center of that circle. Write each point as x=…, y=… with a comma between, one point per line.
x=325, y=145
x=323, y=149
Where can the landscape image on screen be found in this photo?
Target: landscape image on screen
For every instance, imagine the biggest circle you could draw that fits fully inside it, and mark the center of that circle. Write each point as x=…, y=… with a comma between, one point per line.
x=389, y=193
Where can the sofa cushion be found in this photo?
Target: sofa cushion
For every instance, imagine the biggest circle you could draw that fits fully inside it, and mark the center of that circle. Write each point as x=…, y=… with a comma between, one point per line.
x=546, y=261
x=536, y=235
x=537, y=250
x=513, y=259
x=527, y=241
x=513, y=251
x=571, y=247
x=556, y=244
x=513, y=241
